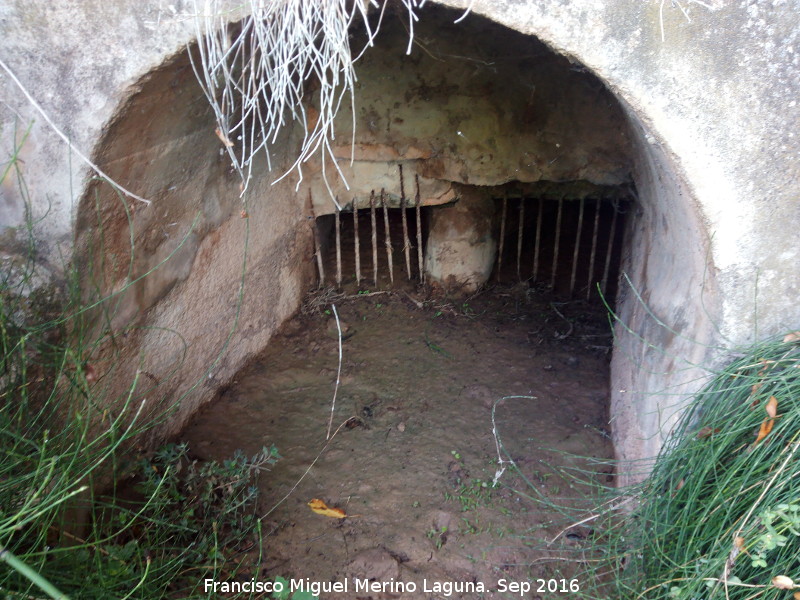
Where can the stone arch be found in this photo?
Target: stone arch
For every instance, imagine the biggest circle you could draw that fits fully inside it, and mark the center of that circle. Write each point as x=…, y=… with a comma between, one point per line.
x=172, y=154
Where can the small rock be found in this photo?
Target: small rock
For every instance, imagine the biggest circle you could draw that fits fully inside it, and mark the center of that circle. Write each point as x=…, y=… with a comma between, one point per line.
x=332, y=331
x=401, y=427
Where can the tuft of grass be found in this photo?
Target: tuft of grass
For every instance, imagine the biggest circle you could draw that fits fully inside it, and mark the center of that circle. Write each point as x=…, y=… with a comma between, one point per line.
x=718, y=518
x=68, y=528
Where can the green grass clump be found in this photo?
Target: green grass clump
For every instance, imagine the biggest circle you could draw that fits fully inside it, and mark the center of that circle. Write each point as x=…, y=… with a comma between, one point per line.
x=68, y=527
x=719, y=516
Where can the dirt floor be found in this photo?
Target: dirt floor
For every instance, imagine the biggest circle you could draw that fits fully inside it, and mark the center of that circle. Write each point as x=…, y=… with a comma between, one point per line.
x=414, y=456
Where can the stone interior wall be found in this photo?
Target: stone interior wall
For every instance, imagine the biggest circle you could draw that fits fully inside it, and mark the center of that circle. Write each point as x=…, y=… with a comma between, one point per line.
x=473, y=104
x=668, y=297
x=472, y=108
x=707, y=127
x=462, y=117
x=175, y=269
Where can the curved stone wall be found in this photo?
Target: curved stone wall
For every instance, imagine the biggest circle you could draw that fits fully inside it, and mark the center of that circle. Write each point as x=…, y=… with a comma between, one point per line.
x=709, y=119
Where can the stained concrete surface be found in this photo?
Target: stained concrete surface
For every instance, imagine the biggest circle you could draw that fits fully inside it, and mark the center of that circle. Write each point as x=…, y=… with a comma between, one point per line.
x=708, y=111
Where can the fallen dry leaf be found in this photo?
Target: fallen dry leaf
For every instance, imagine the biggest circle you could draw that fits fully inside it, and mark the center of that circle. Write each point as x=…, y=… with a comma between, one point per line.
x=222, y=137
x=782, y=582
x=705, y=432
x=763, y=431
x=738, y=546
x=319, y=507
x=796, y=596
x=772, y=407
x=790, y=338
x=768, y=423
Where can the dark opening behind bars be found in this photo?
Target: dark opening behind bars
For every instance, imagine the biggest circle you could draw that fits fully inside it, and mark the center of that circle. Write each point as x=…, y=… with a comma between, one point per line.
x=536, y=243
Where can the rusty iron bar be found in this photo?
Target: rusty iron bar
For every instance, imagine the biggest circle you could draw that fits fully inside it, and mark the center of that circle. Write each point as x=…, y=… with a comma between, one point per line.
x=374, y=237
x=592, y=256
x=503, y=214
x=576, y=250
x=318, y=254
x=387, y=236
x=555, y=244
x=406, y=241
x=317, y=240
x=337, y=227
x=537, y=242
x=519, y=236
x=611, y=235
x=356, y=244
x=418, y=209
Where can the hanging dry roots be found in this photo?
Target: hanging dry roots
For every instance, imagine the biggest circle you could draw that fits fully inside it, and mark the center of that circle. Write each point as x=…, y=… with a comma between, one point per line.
x=256, y=63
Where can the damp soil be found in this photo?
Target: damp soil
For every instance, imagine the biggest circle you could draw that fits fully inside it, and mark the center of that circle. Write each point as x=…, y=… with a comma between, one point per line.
x=413, y=454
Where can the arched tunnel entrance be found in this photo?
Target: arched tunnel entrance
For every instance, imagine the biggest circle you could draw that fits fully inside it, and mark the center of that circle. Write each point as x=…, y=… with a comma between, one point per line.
x=517, y=172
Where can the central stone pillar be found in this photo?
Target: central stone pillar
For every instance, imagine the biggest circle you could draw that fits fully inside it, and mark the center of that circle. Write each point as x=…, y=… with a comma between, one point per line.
x=461, y=248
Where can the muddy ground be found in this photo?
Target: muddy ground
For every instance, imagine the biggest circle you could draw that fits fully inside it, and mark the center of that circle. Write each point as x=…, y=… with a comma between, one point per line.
x=414, y=456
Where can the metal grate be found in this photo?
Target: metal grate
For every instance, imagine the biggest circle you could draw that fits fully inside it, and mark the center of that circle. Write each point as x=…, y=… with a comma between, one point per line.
x=568, y=246
x=378, y=244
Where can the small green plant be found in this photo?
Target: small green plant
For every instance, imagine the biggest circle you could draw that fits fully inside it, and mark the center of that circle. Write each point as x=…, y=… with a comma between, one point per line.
x=438, y=535
x=470, y=528
x=210, y=505
x=287, y=594
x=771, y=532
x=473, y=494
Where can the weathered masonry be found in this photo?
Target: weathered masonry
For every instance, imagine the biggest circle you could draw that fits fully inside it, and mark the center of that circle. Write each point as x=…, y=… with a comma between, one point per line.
x=692, y=124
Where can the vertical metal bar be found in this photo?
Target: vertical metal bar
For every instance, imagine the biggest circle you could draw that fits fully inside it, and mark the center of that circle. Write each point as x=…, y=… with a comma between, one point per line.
x=374, y=237
x=538, y=239
x=317, y=240
x=318, y=253
x=555, y=244
x=357, y=248
x=406, y=241
x=575, y=251
x=501, y=243
x=590, y=279
x=418, y=208
x=387, y=236
x=519, y=235
x=337, y=227
x=610, y=247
